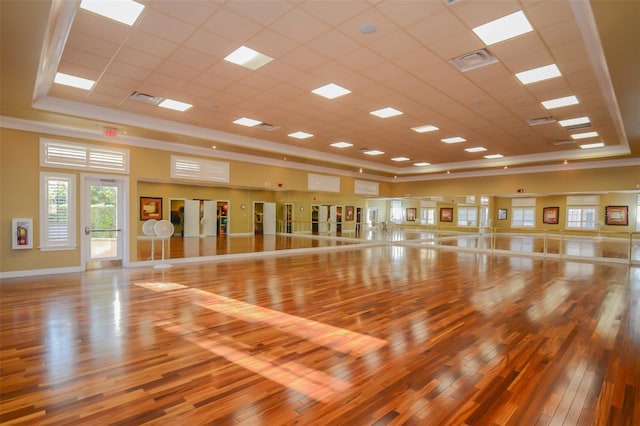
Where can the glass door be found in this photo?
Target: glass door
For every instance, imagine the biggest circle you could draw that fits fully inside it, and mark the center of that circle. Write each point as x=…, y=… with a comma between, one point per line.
x=103, y=221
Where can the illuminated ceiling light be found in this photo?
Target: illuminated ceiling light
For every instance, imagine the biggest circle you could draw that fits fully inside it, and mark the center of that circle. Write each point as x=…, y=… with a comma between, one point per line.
x=123, y=11
x=574, y=121
x=73, y=81
x=422, y=164
x=341, y=144
x=584, y=135
x=493, y=156
x=373, y=152
x=538, y=74
x=248, y=122
x=174, y=105
x=300, y=135
x=331, y=91
x=592, y=145
x=386, y=112
x=424, y=129
x=476, y=149
x=455, y=139
x=400, y=159
x=560, y=102
x=248, y=58
x=503, y=28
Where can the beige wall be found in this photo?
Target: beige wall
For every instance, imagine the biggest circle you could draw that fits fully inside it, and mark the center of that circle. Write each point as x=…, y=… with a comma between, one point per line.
x=149, y=176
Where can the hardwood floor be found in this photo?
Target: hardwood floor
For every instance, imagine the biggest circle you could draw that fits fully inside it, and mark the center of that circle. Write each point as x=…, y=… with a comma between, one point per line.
x=390, y=334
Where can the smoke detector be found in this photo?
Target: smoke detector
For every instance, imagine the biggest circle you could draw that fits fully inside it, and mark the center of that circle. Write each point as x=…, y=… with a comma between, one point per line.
x=473, y=60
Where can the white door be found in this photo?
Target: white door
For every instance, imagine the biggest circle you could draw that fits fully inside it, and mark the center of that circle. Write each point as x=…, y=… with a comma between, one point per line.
x=323, y=226
x=192, y=218
x=104, y=221
x=333, y=219
x=269, y=218
x=208, y=220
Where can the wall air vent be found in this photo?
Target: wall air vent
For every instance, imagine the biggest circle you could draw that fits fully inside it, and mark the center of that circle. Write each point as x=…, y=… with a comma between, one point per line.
x=145, y=98
x=473, y=60
x=268, y=127
x=541, y=120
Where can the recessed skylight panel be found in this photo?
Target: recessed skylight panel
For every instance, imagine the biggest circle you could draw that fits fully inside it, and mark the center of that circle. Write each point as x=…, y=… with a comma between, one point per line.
x=560, y=102
x=422, y=164
x=503, y=28
x=174, y=105
x=73, y=81
x=386, y=112
x=455, y=139
x=539, y=74
x=341, y=144
x=248, y=58
x=493, y=156
x=123, y=11
x=300, y=135
x=476, y=149
x=247, y=122
x=424, y=129
x=331, y=91
x=592, y=145
x=574, y=121
x=400, y=159
x=373, y=152
x=585, y=135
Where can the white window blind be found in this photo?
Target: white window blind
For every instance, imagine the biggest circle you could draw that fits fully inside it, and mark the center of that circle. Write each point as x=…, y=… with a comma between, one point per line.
x=365, y=187
x=199, y=169
x=63, y=154
x=323, y=183
x=57, y=211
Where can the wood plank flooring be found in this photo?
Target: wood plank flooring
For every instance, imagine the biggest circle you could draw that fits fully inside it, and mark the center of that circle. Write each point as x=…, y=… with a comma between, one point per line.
x=384, y=335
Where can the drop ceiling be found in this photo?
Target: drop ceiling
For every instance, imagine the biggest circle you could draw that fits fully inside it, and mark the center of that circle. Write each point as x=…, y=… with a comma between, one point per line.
x=403, y=60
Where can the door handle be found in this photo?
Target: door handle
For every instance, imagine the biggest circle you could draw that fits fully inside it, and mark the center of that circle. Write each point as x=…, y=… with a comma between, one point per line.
x=87, y=230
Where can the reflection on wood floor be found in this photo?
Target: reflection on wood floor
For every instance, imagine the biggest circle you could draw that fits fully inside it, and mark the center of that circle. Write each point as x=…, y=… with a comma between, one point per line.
x=386, y=334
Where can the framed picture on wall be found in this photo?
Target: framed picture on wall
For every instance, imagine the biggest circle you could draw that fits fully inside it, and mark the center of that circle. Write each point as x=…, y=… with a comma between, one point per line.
x=616, y=215
x=411, y=214
x=150, y=208
x=502, y=214
x=349, y=213
x=446, y=214
x=550, y=215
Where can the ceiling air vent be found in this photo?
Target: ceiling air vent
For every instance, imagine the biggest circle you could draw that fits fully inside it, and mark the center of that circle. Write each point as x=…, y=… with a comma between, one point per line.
x=541, y=120
x=144, y=98
x=473, y=60
x=578, y=126
x=563, y=142
x=266, y=126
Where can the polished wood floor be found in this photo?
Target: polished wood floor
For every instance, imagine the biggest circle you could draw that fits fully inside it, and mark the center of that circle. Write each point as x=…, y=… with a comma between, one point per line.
x=377, y=335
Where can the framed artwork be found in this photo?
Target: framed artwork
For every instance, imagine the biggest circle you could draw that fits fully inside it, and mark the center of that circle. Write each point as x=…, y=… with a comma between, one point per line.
x=349, y=213
x=446, y=214
x=150, y=208
x=550, y=215
x=616, y=215
x=22, y=233
x=502, y=214
x=411, y=214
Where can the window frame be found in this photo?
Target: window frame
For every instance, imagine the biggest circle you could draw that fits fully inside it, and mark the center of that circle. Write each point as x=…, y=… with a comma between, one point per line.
x=46, y=242
x=518, y=217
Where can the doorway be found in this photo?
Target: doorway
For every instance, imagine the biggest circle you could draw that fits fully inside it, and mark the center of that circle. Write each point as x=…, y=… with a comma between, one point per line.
x=287, y=214
x=103, y=221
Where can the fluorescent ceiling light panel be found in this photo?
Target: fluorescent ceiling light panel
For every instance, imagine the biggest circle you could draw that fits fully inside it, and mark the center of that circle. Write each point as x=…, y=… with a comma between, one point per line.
x=331, y=91
x=584, y=135
x=560, y=102
x=341, y=144
x=539, y=74
x=248, y=58
x=574, y=121
x=300, y=135
x=422, y=164
x=476, y=149
x=386, y=112
x=592, y=145
x=248, y=122
x=503, y=28
x=493, y=156
x=73, y=81
x=373, y=152
x=123, y=11
x=424, y=129
x=401, y=159
x=174, y=105
x=455, y=139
